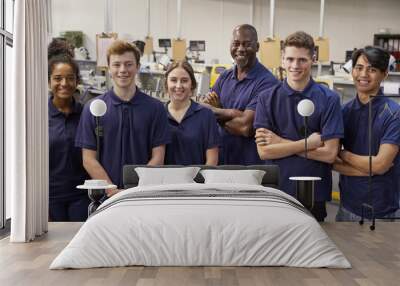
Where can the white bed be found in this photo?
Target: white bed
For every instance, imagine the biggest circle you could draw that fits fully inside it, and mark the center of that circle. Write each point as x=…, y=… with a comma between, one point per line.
x=203, y=225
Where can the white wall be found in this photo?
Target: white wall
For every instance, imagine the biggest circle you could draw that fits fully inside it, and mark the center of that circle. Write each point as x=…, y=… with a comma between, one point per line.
x=348, y=23
x=79, y=15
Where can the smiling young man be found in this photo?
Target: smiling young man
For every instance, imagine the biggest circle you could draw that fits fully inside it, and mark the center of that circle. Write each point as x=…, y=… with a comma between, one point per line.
x=370, y=68
x=135, y=126
x=234, y=97
x=279, y=127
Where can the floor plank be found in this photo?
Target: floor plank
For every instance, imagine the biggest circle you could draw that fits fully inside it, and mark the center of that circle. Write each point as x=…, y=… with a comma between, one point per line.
x=375, y=257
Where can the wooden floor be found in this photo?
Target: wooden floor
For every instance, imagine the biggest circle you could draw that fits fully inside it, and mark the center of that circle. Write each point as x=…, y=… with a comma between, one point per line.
x=374, y=255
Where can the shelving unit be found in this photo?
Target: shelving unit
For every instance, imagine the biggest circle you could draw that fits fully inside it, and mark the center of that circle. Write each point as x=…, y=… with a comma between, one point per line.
x=390, y=42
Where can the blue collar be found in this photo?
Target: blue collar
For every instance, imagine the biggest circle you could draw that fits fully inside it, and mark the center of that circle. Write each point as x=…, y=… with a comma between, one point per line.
x=54, y=112
x=136, y=99
x=290, y=91
x=376, y=101
x=193, y=108
x=252, y=72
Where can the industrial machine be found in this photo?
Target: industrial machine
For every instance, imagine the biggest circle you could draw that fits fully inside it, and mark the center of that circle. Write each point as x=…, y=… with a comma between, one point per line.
x=94, y=80
x=203, y=84
x=162, y=57
x=216, y=70
x=195, y=47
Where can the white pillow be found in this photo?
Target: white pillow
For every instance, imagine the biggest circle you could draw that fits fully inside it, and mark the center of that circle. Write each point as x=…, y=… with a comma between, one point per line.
x=248, y=177
x=166, y=176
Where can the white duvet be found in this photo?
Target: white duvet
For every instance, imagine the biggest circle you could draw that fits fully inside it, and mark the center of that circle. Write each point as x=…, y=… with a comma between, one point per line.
x=185, y=230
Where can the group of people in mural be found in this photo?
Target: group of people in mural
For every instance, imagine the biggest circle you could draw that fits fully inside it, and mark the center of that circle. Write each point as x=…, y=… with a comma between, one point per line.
x=248, y=118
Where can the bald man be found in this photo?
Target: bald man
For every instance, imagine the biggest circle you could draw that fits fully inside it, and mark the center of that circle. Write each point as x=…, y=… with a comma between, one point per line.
x=234, y=96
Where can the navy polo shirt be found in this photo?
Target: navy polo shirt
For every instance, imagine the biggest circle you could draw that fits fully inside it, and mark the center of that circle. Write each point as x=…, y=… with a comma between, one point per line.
x=277, y=111
x=65, y=160
x=131, y=129
x=241, y=95
x=197, y=132
x=385, y=129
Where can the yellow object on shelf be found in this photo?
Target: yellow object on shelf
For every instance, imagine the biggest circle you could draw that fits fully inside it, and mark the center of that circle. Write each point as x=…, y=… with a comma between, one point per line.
x=178, y=49
x=216, y=70
x=148, y=47
x=270, y=53
x=336, y=196
x=322, y=45
x=325, y=80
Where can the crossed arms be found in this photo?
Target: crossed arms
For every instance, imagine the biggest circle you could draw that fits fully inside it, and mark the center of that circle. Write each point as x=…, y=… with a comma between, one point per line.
x=272, y=146
x=234, y=121
x=351, y=164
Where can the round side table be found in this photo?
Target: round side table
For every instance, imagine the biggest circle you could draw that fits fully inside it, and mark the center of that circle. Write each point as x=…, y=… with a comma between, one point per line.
x=305, y=190
x=96, y=191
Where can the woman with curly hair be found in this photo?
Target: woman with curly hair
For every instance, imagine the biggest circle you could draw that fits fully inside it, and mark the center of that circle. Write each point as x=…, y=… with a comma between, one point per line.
x=66, y=171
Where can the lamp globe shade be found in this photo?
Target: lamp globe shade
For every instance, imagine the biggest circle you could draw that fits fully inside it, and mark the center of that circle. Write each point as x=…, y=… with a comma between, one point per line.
x=305, y=107
x=98, y=107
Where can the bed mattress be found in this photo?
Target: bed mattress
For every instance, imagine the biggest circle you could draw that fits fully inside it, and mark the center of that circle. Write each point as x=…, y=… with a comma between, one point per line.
x=201, y=225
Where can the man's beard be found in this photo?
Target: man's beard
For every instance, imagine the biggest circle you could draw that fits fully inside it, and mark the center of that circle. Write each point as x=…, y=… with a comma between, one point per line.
x=242, y=62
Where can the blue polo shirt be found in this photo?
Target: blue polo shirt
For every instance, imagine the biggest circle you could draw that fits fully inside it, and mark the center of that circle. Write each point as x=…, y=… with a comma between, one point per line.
x=277, y=111
x=241, y=95
x=65, y=160
x=385, y=130
x=131, y=129
x=197, y=132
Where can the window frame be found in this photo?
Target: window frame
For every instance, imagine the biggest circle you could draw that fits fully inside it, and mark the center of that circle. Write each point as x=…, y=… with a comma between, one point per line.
x=6, y=39
x=4, y=8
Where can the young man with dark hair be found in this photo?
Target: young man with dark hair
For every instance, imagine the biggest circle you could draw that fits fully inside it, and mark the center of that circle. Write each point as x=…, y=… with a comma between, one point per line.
x=234, y=97
x=370, y=68
x=135, y=125
x=279, y=127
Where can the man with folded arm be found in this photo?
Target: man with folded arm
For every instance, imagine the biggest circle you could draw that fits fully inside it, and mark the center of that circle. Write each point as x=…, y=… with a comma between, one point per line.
x=280, y=128
x=370, y=68
x=234, y=97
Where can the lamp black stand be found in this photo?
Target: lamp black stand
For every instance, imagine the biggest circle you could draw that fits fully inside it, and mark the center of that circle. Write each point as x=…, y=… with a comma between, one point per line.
x=99, y=134
x=305, y=135
x=369, y=205
x=305, y=186
x=96, y=195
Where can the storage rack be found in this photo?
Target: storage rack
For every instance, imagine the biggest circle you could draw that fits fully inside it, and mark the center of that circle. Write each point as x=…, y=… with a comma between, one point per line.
x=390, y=42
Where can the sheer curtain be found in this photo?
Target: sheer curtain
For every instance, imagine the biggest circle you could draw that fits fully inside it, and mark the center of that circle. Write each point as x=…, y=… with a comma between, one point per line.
x=26, y=123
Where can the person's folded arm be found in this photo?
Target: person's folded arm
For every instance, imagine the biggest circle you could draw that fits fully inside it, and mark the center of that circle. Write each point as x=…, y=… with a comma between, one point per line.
x=235, y=121
x=381, y=163
x=271, y=146
x=346, y=169
x=157, y=156
x=212, y=156
x=223, y=115
x=96, y=170
x=211, y=101
x=241, y=124
x=280, y=150
x=326, y=153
